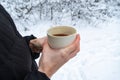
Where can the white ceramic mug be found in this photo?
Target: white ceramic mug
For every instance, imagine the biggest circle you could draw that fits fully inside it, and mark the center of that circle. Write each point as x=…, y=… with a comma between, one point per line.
x=61, y=36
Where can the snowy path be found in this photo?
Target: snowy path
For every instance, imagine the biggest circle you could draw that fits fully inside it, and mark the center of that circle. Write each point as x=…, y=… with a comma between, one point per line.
x=99, y=58
x=100, y=53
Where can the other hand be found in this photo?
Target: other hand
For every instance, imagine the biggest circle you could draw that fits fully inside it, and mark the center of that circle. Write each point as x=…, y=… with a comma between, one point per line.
x=36, y=45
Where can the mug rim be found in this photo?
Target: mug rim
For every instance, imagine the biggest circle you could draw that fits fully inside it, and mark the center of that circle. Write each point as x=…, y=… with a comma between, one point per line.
x=61, y=27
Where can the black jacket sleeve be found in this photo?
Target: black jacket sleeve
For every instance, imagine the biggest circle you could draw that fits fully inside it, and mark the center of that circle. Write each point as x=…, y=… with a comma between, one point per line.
x=28, y=38
x=7, y=67
x=36, y=75
x=15, y=58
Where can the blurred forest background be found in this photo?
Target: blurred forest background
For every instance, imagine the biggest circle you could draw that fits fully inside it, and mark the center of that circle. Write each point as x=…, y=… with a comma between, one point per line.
x=31, y=12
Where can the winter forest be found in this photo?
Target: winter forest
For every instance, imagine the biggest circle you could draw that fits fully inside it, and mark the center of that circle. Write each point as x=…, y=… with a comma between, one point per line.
x=30, y=12
x=97, y=21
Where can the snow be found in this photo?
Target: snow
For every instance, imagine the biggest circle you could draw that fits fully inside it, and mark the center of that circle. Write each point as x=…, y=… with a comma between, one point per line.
x=99, y=58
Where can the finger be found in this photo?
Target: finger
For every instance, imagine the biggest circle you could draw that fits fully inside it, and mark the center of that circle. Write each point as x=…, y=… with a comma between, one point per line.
x=73, y=54
x=46, y=44
x=42, y=40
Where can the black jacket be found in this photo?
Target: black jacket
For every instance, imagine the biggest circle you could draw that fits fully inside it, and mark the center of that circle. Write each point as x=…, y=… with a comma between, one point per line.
x=17, y=62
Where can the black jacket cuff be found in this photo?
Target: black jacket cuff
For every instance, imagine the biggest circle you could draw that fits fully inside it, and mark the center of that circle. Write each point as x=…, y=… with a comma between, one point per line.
x=36, y=75
x=28, y=38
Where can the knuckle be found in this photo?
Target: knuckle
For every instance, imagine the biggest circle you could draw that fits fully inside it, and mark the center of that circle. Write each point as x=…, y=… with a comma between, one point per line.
x=64, y=54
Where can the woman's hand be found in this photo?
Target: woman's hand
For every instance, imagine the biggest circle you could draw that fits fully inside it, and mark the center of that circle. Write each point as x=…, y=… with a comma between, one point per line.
x=52, y=59
x=36, y=45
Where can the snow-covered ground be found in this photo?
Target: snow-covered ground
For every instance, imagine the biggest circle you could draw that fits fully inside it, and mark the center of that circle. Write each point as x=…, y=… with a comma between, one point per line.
x=99, y=58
